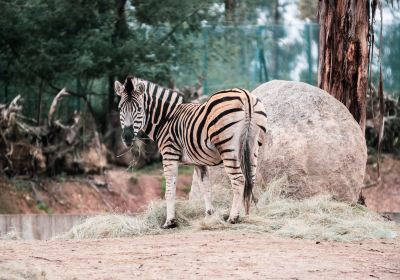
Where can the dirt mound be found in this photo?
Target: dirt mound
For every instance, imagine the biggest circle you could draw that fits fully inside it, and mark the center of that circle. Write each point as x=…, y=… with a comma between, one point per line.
x=16, y=198
x=118, y=191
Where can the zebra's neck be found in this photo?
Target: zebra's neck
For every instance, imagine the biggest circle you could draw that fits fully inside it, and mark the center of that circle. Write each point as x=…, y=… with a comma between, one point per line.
x=159, y=104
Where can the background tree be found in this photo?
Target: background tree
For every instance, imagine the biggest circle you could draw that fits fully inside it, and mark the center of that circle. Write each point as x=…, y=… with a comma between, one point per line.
x=85, y=45
x=343, y=53
x=46, y=45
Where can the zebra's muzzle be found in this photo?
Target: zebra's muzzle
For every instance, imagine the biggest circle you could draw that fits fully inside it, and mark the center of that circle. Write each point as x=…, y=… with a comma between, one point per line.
x=128, y=135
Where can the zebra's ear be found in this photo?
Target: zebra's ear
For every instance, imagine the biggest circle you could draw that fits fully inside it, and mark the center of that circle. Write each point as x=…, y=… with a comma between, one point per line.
x=140, y=88
x=119, y=88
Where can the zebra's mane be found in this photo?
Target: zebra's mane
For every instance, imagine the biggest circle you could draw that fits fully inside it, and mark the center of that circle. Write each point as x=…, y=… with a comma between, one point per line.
x=131, y=82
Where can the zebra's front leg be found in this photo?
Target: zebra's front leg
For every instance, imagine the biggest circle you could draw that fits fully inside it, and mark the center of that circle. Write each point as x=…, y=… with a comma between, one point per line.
x=170, y=174
x=205, y=187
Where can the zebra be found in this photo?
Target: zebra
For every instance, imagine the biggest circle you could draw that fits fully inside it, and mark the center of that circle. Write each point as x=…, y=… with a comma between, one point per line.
x=227, y=129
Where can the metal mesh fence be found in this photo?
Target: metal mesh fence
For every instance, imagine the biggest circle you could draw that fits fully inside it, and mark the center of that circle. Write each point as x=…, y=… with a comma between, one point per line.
x=245, y=56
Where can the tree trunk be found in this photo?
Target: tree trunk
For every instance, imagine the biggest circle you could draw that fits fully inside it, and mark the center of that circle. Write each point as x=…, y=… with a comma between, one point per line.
x=39, y=103
x=120, y=31
x=343, y=53
x=276, y=34
x=111, y=106
x=229, y=10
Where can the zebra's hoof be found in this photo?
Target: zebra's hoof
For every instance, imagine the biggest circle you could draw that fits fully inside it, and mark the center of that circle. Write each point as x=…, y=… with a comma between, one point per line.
x=233, y=220
x=209, y=212
x=170, y=224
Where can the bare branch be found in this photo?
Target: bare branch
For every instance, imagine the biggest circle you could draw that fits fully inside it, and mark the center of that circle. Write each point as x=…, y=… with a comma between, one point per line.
x=53, y=106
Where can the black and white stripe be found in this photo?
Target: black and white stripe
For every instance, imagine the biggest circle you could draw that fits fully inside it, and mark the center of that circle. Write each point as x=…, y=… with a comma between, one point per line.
x=227, y=129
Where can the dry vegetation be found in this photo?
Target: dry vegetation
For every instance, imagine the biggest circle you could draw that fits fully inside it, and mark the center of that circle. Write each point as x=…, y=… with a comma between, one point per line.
x=318, y=218
x=11, y=235
x=28, y=148
x=20, y=271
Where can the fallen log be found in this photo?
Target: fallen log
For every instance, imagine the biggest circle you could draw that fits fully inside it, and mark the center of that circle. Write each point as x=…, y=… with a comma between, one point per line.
x=29, y=149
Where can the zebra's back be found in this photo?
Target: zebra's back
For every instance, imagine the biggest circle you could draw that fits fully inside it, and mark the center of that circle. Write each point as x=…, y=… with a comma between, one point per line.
x=201, y=134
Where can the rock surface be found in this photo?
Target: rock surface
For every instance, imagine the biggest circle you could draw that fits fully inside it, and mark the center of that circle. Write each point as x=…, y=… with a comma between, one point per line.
x=312, y=140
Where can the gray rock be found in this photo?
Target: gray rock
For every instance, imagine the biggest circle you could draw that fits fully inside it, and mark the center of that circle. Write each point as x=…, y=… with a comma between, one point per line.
x=312, y=140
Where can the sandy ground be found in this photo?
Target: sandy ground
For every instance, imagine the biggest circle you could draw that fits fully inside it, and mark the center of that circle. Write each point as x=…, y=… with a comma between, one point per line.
x=204, y=255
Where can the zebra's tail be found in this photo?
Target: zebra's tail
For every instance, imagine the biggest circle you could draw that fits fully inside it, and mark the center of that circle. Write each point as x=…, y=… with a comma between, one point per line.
x=245, y=162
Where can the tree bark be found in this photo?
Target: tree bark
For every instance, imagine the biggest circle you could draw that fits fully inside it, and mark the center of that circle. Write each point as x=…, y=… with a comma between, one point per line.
x=39, y=103
x=343, y=53
x=230, y=6
x=120, y=31
x=276, y=36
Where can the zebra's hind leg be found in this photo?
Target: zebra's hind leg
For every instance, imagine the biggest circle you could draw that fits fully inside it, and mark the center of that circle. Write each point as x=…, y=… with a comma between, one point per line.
x=205, y=187
x=234, y=171
x=170, y=174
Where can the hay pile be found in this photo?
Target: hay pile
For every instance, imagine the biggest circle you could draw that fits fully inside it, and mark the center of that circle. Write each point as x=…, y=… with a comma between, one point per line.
x=11, y=235
x=149, y=222
x=21, y=271
x=317, y=218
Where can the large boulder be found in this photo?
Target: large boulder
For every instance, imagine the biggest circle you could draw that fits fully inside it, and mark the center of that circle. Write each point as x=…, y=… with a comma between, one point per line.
x=312, y=140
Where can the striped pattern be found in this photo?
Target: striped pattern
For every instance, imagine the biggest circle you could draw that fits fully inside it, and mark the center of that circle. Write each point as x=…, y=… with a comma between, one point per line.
x=227, y=129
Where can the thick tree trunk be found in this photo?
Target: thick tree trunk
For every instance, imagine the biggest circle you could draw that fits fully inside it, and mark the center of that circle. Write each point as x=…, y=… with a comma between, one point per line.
x=120, y=32
x=276, y=34
x=343, y=53
x=229, y=10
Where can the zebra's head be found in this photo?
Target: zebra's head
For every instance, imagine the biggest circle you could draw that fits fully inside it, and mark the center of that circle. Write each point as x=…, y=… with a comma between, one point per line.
x=131, y=112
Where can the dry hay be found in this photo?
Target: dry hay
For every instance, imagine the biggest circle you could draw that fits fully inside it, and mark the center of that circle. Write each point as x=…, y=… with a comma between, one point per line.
x=117, y=225
x=317, y=218
x=11, y=235
x=21, y=271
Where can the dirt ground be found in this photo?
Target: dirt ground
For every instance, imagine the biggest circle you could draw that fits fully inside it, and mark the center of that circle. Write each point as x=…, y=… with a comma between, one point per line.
x=120, y=191
x=201, y=255
x=116, y=191
x=187, y=255
x=384, y=195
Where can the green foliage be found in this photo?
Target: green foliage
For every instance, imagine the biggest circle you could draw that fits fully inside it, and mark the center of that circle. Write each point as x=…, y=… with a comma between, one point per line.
x=21, y=185
x=163, y=186
x=45, y=45
x=62, y=177
x=85, y=45
x=57, y=39
x=153, y=168
x=43, y=206
x=185, y=169
x=172, y=12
